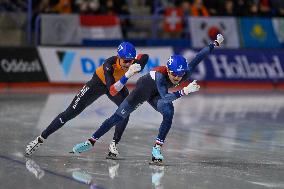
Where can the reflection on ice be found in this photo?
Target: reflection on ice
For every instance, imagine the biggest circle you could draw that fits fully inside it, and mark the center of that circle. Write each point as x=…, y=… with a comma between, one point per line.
x=112, y=168
x=34, y=168
x=157, y=175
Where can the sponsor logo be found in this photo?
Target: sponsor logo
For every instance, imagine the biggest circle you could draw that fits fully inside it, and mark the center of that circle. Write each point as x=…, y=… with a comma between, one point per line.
x=61, y=120
x=241, y=67
x=80, y=95
x=120, y=48
x=79, y=64
x=180, y=68
x=66, y=60
x=170, y=61
x=20, y=66
x=88, y=65
x=123, y=111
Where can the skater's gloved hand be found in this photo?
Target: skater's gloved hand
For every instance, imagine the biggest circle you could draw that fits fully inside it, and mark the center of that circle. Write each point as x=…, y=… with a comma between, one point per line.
x=219, y=40
x=190, y=88
x=133, y=69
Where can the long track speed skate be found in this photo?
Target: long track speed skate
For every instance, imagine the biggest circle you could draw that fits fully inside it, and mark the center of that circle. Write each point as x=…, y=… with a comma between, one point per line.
x=157, y=157
x=112, y=151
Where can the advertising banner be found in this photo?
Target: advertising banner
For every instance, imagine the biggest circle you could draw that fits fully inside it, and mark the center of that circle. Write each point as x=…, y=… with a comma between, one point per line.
x=240, y=65
x=21, y=65
x=204, y=30
x=77, y=65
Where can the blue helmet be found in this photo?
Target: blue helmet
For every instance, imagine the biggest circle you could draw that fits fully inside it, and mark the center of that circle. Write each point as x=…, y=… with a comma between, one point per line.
x=126, y=51
x=177, y=65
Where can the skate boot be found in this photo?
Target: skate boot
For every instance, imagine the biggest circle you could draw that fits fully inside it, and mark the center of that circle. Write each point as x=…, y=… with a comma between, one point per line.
x=34, y=145
x=157, y=157
x=112, y=151
x=82, y=147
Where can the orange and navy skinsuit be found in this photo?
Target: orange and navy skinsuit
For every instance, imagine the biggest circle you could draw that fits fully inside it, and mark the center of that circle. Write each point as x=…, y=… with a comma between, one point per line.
x=101, y=83
x=111, y=71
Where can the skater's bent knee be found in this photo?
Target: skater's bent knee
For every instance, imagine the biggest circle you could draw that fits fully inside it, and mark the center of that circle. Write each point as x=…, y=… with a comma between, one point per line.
x=166, y=109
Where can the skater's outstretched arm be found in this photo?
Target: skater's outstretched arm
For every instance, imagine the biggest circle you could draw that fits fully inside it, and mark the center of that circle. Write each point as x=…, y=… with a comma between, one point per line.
x=169, y=97
x=203, y=53
x=136, y=67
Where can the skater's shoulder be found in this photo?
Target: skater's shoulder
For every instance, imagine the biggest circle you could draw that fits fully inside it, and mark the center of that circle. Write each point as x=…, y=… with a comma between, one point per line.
x=160, y=69
x=111, y=59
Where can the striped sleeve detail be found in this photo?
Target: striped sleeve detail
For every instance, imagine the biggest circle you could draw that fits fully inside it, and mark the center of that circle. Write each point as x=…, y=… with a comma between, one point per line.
x=159, y=142
x=117, y=86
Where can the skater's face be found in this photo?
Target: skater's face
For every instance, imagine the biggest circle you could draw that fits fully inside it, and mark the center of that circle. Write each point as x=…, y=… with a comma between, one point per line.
x=175, y=79
x=125, y=63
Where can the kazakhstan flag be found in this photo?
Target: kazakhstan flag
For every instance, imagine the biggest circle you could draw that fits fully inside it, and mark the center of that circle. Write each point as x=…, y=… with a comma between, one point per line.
x=258, y=33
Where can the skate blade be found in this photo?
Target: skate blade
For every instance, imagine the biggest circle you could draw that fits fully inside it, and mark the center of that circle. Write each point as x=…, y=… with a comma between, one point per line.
x=115, y=157
x=74, y=152
x=112, y=157
x=157, y=163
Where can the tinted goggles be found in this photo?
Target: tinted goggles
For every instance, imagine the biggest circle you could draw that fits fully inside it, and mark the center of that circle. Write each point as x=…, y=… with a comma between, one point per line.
x=128, y=61
x=178, y=74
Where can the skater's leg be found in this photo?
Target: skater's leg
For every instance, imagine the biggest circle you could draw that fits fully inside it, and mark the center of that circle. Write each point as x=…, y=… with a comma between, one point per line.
x=120, y=127
x=130, y=103
x=84, y=98
x=167, y=111
x=122, y=113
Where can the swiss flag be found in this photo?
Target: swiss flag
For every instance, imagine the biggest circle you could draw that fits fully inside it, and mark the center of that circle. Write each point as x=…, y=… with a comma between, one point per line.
x=173, y=20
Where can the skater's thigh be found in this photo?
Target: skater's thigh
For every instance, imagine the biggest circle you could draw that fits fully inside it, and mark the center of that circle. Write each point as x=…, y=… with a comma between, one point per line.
x=131, y=103
x=86, y=96
x=154, y=102
x=159, y=105
x=138, y=95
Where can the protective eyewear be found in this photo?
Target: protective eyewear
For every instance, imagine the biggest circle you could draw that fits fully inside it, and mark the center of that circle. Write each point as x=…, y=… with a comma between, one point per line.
x=181, y=74
x=127, y=61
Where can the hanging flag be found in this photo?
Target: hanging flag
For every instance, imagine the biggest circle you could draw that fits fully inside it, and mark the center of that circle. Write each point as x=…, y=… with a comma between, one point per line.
x=173, y=20
x=204, y=30
x=59, y=29
x=100, y=27
x=258, y=33
x=73, y=29
x=278, y=26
